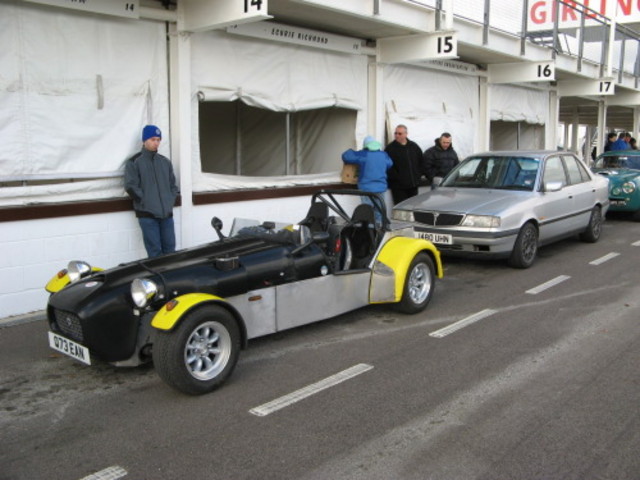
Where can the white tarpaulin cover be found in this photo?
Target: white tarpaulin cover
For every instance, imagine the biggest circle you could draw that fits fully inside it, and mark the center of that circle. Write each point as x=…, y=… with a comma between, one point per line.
x=276, y=77
x=75, y=92
x=518, y=104
x=430, y=102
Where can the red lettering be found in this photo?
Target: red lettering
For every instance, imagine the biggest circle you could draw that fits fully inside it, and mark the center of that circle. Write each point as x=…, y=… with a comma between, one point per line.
x=538, y=13
x=569, y=11
x=625, y=8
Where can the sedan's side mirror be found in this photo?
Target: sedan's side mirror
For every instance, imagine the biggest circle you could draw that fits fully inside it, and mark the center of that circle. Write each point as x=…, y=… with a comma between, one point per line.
x=554, y=186
x=216, y=223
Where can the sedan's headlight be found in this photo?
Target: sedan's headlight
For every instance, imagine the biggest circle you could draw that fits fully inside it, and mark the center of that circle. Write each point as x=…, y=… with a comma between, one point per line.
x=142, y=291
x=77, y=269
x=481, y=221
x=402, y=215
x=628, y=187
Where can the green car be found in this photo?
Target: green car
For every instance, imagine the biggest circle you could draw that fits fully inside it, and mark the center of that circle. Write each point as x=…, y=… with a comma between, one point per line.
x=622, y=168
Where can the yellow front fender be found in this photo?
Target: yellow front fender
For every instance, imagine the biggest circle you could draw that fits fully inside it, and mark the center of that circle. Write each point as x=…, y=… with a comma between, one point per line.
x=61, y=280
x=392, y=265
x=172, y=311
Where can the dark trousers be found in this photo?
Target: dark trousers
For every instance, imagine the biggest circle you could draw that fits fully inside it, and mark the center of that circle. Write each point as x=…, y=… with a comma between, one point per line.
x=158, y=235
x=400, y=194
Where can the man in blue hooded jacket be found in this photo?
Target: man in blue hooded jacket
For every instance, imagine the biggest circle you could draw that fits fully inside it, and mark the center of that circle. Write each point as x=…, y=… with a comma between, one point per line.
x=372, y=164
x=150, y=182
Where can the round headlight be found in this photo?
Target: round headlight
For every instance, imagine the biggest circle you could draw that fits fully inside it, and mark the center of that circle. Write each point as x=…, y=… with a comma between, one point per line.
x=628, y=187
x=142, y=291
x=76, y=270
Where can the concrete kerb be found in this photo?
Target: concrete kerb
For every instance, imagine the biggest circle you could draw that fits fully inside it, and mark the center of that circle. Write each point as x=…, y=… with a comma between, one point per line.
x=20, y=319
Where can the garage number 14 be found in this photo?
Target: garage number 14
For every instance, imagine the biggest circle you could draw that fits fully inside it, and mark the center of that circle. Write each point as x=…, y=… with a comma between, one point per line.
x=252, y=4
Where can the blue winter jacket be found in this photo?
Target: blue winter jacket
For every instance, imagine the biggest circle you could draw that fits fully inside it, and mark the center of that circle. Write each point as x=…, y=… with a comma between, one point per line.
x=372, y=168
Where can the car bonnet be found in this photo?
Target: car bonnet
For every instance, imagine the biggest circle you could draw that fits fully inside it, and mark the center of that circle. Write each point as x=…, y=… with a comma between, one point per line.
x=466, y=200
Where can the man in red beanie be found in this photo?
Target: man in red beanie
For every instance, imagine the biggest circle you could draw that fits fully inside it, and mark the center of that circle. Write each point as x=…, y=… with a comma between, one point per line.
x=150, y=182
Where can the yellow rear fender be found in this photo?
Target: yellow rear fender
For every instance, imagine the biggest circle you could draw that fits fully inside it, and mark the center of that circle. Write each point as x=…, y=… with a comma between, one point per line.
x=61, y=280
x=174, y=310
x=392, y=265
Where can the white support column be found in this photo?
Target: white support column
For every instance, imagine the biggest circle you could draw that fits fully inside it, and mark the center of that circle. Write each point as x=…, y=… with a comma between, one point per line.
x=602, y=126
x=375, y=112
x=551, y=127
x=180, y=101
x=636, y=122
x=483, y=129
x=575, y=130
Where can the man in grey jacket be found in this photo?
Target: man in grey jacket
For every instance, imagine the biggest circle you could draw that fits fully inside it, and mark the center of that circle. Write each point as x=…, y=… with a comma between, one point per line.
x=150, y=182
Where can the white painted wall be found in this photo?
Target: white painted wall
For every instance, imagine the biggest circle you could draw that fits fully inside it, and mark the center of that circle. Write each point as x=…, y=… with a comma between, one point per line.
x=35, y=250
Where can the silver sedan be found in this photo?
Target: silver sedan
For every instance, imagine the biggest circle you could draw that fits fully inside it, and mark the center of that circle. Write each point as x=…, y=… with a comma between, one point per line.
x=507, y=204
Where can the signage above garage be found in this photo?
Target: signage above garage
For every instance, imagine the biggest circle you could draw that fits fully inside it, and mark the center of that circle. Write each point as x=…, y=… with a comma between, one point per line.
x=120, y=8
x=302, y=36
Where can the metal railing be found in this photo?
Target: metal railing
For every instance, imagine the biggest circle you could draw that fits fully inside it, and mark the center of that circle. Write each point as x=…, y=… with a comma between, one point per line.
x=587, y=38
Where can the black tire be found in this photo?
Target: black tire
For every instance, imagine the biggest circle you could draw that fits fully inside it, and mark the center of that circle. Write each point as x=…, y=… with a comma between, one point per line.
x=525, y=249
x=635, y=216
x=594, y=229
x=200, y=353
x=419, y=284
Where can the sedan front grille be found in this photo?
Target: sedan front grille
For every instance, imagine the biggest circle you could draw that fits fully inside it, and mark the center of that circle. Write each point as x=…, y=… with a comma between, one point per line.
x=69, y=324
x=438, y=219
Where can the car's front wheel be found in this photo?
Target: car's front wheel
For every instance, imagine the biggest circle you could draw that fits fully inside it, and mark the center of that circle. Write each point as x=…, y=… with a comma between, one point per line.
x=594, y=228
x=200, y=353
x=419, y=284
x=526, y=247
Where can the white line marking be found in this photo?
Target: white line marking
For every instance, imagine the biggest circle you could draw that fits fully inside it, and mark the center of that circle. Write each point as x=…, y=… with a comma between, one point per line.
x=551, y=283
x=636, y=244
x=309, y=390
x=110, y=473
x=443, y=332
x=606, y=258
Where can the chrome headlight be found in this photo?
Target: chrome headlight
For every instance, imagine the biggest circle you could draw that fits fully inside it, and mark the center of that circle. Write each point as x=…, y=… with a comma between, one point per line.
x=77, y=269
x=402, y=215
x=142, y=291
x=628, y=187
x=481, y=221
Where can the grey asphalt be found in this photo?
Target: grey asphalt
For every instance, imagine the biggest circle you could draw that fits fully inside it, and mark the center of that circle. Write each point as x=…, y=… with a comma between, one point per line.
x=545, y=387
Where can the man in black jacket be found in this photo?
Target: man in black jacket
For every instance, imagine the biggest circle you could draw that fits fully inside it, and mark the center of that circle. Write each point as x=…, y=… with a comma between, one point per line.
x=404, y=176
x=150, y=182
x=440, y=159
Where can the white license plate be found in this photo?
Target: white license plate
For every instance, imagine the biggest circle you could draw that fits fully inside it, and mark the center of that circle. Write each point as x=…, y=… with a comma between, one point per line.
x=69, y=347
x=618, y=203
x=443, y=238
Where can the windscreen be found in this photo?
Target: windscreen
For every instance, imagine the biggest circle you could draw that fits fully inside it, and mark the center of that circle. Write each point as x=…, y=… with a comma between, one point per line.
x=619, y=161
x=496, y=172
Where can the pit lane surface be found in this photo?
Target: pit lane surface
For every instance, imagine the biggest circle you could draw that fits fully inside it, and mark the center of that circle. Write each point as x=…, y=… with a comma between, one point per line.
x=542, y=382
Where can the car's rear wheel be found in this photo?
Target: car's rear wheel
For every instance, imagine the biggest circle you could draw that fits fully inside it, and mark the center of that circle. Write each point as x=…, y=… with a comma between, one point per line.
x=200, y=353
x=419, y=284
x=594, y=229
x=526, y=247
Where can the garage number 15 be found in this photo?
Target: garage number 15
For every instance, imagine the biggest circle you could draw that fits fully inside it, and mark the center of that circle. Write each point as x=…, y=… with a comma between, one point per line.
x=252, y=4
x=445, y=44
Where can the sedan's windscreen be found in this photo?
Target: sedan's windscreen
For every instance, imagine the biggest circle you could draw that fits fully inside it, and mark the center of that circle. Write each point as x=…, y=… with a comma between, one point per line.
x=510, y=173
x=621, y=161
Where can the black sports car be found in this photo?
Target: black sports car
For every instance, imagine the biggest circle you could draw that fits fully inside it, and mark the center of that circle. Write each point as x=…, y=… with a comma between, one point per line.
x=193, y=310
